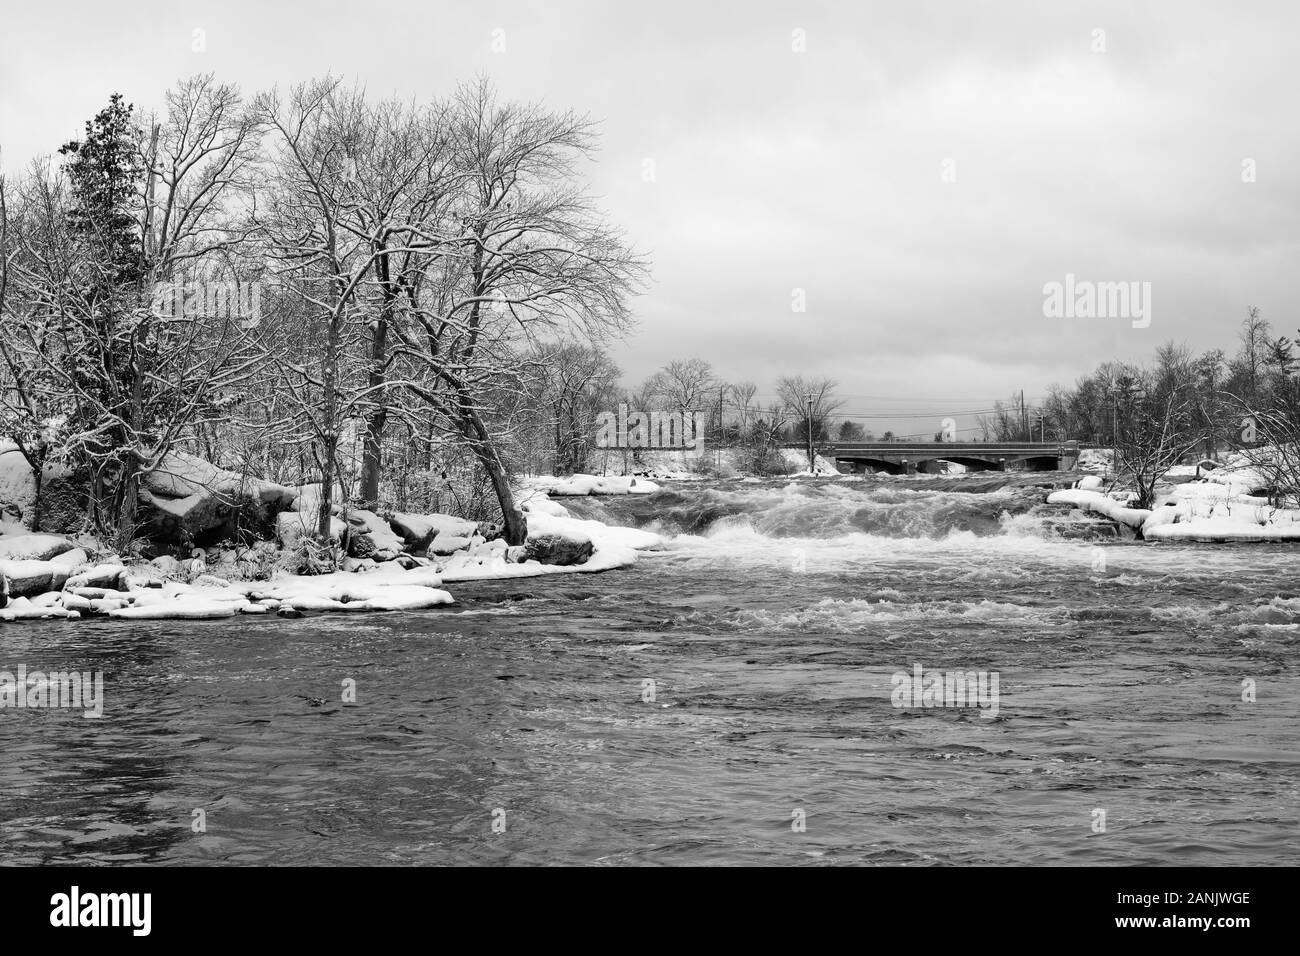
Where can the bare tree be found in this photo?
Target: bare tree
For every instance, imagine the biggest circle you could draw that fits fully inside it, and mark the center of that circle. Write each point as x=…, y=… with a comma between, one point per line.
x=317, y=260
x=684, y=385
x=794, y=392
x=535, y=260
x=1157, y=423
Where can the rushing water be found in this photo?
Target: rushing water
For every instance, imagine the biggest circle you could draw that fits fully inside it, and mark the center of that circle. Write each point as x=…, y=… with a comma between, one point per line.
x=770, y=628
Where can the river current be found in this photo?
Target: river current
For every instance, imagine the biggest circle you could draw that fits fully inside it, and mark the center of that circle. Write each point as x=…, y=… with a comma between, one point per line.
x=728, y=700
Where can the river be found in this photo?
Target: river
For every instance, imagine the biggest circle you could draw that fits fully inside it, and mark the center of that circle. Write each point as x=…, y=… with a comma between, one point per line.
x=725, y=701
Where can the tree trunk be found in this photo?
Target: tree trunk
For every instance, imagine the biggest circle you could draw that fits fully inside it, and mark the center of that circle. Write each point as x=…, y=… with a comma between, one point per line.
x=38, y=479
x=330, y=444
x=514, y=525
x=373, y=447
x=130, y=501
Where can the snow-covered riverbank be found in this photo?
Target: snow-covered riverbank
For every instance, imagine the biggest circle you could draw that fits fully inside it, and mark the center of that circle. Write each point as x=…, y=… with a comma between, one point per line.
x=1227, y=504
x=408, y=560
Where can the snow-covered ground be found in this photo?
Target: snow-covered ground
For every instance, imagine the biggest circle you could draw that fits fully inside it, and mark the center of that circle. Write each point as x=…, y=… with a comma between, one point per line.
x=1216, y=507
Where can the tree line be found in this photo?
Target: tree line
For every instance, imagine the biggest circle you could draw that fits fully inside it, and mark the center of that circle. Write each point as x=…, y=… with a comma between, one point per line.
x=1180, y=406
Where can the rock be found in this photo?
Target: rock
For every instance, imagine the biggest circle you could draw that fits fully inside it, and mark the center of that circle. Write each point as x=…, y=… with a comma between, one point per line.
x=210, y=581
x=371, y=536
x=488, y=530
x=27, y=577
x=288, y=611
x=64, y=494
x=33, y=547
x=139, y=578
x=168, y=567
x=65, y=499
x=445, y=544
x=73, y=559
x=419, y=531
x=553, y=549
x=515, y=554
x=4, y=589
x=188, y=497
x=100, y=576
x=415, y=543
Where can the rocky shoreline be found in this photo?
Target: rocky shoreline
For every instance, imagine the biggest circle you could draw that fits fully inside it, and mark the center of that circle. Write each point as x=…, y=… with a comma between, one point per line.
x=393, y=561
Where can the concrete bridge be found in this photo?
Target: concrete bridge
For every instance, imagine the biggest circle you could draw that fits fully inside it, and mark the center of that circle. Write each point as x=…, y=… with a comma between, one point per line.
x=900, y=458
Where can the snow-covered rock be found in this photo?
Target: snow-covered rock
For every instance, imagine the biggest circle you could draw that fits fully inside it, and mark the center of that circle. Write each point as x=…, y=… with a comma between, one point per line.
x=33, y=547
x=371, y=536
x=597, y=485
x=99, y=576
x=419, y=530
x=189, y=496
x=446, y=544
x=28, y=577
x=1101, y=504
x=557, y=549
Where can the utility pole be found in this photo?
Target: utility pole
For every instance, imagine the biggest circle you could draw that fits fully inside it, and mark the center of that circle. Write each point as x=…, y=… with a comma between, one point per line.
x=1024, y=419
x=811, y=468
x=721, y=391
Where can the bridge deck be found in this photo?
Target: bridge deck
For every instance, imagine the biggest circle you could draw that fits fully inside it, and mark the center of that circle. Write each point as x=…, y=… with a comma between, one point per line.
x=935, y=449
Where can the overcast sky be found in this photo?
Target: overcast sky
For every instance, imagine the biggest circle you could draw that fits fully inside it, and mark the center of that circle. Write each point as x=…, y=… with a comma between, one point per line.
x=822, y=170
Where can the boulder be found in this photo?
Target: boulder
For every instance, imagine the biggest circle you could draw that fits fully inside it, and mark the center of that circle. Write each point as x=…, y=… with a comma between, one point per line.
x=416, y=533
x=33, y=547
x=187, y=497
x=554, y=549
x=371, y=536
x=25, y=577
x=64, y=493
x=445, y=544
x=65, y=499
x=74, y=558
x=423, y=528
x=100, y=576
x=169, y=567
